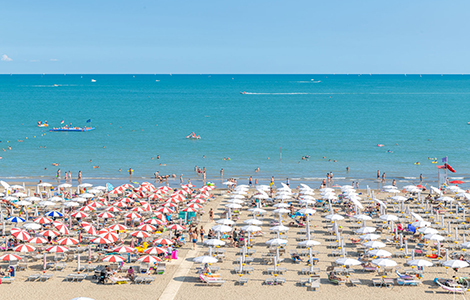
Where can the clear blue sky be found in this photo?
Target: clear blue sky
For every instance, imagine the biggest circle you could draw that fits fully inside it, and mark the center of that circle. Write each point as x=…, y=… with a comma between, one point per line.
x=234, y=36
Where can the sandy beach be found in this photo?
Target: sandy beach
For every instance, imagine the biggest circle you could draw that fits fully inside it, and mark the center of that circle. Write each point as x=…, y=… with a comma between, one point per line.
x=181, y=278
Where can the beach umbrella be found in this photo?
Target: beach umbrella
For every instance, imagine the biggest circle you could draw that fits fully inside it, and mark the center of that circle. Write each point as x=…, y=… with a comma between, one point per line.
x=164, y=210
x=388, y=218
x=257, y=211
x=308, y=243
x=163, y=241
x=113, y=209
x=62, y=228
x=90, y=230
x=23, y=203
x=149, y=259
x=10, y=257
x=346, y=261
x=54, y=214
x=68, y=242
x=276, y=242
x=205, y=259
x=124, y=249
x=369, y=237
x=112, y=236
x=24, y=248
x=37, y=240
x=384, y=262
x=100, y=240
x=379, y=253
x=140, y=234
x=71, y=204
x=365, y=230
x=32, y=226
x=279, y=228
x=251, y=228
x=113, y=258
x=214, y=242
x=16, y=220
x=362, y=217
x=43, y=220
x=176, y=227
x=253, y=222
x=46, y=203
x=189, y=209
x=222, y=228
x=455, y=264
x=154, y=222
x=225, y=222
x=79, y=215
x=419, y=263
x=50, y=233
x=334, y=217
x=434, y=237
x=427, y=230
x=117, y=227
x=57, y=249
x=106, y=215
x=147, y=227
x=421, y=224
x=21, y=235
x=281, y=211
x=374, y=244
x=156, y=250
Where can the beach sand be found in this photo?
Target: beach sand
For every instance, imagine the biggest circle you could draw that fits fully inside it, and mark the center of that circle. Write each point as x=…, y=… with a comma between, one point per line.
x=190, y=287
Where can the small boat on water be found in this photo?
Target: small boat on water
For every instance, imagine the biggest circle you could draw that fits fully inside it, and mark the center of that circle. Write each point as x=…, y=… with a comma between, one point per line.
x=42, y=124
x=193, y=136
x=93, y=80
x=73, y=129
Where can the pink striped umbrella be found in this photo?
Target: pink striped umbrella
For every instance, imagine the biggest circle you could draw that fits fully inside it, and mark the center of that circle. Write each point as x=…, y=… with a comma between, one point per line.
x=149, y=259
x=173, y=200
x=113, y=258
x=50, y=233
x=147, y=227
x=24, y=248
x=95, y=204
x=57, y=249
x=8, y=257
x=79, y=214
x=127, y=200
x=68, y=242
x=37, y=240
x=140, y=234
x=21, y=235
x=117, y=227
x=43, y=220
x=120, y=204
x=155, y=250
x=146, y=207
x=124, y=249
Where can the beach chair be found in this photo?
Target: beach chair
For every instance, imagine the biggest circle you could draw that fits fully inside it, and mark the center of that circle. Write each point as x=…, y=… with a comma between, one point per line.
x=118, y=280
x=7, y=280
x=211, y=280
x=139, y=280
x=242, y=280
x=355, y=282
x=404, y=282
x=315, y=284
x=60, y=266
x=377, y=282
x=149, y=280
x=33, y=277
x=69, y=277
x=45, y=277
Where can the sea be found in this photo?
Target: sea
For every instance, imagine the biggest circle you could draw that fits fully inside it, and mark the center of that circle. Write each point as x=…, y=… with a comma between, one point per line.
x=299, y=127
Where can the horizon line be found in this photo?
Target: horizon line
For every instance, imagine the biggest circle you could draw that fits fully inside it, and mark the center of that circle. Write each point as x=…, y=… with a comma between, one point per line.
x=200, y=74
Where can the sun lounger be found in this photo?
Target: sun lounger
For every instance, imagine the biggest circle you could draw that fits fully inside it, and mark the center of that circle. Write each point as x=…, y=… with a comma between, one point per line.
x=149, y=279
x=211, y=280
x=45, y=277
x=119, y=280
x=388, y=282
x=355, y=282
x=60, y=266
x=7, y=280
x=404, y=282
x=449, y=289
x=242, y=280
x=69, y=277
x=33, y=277
x=377, y=282
x=315, y=284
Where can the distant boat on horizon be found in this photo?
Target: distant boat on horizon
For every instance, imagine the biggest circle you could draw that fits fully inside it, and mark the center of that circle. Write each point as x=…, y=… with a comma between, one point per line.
x=93, y=80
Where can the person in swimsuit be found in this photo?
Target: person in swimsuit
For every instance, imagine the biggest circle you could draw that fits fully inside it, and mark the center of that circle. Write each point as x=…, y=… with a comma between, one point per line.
x=201, y=233
x=194, y=239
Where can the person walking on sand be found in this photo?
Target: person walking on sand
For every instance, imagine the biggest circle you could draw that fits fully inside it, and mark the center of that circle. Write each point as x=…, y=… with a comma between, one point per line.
x=383, y=177
x=211, y=215
x=79, y=177
x=378, y=174
x=420, y=178
x=194, y=239
x=222, y=173
x=202, y=232
x=181, y=179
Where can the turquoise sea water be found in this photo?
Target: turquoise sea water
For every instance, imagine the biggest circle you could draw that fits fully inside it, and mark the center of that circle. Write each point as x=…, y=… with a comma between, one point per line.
x=340, y=117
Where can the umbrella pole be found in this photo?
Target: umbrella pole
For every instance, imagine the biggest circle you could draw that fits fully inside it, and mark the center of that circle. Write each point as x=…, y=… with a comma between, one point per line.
x=406, y=247
x=308, y=227
x=78, y=262
x=44, y=265
x=310, y=258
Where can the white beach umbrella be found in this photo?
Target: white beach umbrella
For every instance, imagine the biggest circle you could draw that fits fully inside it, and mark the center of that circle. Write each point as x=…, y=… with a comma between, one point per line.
x=279, y=228
x=346, y=261
x=225, y=222
x=421, y=224
x=308, y=243
x=384, y=262
x=455, y=264
x=374, y=244
x=388, y=218
x=434, y=237
x=214, y=242
x=233, y=205
x=419, y=263
x=205, y=259
x=365, y=230
x=379, y=253
x=398, y=198
x=370, y=237
x=334, y=217
x=251, y=228
x=281, y=211
x=307, y=211
x=257, y=211
x=276, y=242
x=362, y=217
x=253, y=222
x=281, y=205
x=222, y=228
x=427, y=230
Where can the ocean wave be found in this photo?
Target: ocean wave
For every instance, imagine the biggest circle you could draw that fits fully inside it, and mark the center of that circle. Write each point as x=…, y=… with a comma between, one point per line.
x=456, y=177
x=248, y=93
x=410, y=177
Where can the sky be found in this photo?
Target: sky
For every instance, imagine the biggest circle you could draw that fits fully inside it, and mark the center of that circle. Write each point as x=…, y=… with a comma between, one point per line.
x=234, y=37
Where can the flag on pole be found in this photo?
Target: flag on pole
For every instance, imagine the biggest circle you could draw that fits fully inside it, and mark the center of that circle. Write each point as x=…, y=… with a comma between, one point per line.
x=88, y=121
x=62, y=122
x=444, y=160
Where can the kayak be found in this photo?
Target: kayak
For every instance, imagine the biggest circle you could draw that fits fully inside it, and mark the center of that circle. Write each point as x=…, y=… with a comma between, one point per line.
x=74, y=129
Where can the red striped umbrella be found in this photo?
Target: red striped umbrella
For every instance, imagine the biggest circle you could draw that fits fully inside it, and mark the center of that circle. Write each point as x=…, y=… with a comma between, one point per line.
x=155, y=197
x=84, y=223
x=163, y=242
x=198, y=200
x=113, y=258
x=155, y=250
x=37, y=240
x=21, y=235
x=149, y=259
x=43, y=220
x=160, y=216
x=116, y=227
x=50, y=233
x=112, y=236
x=8, y=257
x=57, y=249
x=68, y=242
x=127, y=200
x=137, y=209
x=79, y=214
x=133, y=216
x=100, y=240
x=61, y=228
x=169, y=204
x=195, y=205
x=164, y=210
x=154, y=222
x=120, y=204
x=106, y=215
x=90, y=229
x=147, y=227
x=189, y=209
x=124, y=249
x=113, y=209
x=87, y=208
x=24, y=248
x=176, y=227
x=104, y=230
x=146, y=207
x=140, y=234
x=95, y=204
